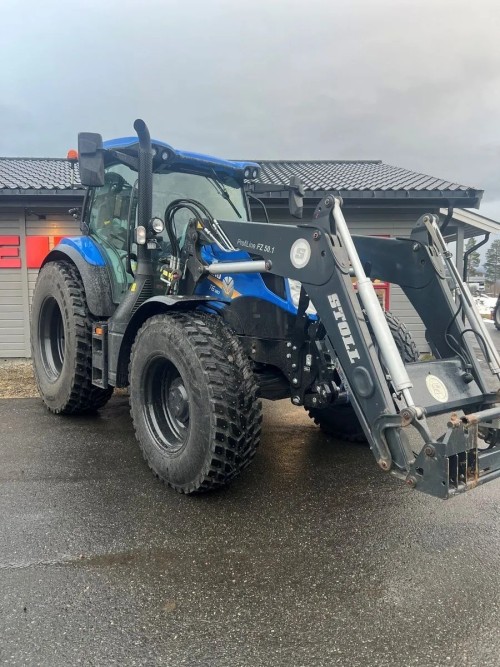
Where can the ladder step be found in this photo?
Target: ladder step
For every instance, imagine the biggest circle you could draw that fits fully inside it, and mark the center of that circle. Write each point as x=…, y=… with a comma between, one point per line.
x=100, y=354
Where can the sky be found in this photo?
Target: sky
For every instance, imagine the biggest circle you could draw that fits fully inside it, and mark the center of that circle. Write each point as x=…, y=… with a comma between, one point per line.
x=415, y=84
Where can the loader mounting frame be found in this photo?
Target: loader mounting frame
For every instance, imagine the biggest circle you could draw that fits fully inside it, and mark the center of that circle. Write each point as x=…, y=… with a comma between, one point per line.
x=387, y=396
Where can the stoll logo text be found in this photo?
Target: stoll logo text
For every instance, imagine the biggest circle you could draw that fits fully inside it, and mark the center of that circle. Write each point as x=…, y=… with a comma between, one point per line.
x=338, y=313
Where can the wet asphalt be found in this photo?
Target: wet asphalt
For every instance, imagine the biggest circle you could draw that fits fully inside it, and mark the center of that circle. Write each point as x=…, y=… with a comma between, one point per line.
x=314, y=557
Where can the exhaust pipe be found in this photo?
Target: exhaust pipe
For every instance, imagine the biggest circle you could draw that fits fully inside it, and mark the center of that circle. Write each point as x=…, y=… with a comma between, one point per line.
x=145, y=173
x=145, y=193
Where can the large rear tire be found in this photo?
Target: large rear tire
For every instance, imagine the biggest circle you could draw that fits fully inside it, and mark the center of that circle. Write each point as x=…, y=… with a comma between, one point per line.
x=61, y=342
x=340, y=421
x=193, y=401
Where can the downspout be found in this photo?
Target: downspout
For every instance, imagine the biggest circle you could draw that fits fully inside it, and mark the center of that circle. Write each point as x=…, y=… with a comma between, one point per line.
x=471, y=250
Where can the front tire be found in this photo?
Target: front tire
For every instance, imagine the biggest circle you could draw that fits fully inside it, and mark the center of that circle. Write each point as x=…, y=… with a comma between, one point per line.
x=61, y=342
x=340, y=421
x=193, y=402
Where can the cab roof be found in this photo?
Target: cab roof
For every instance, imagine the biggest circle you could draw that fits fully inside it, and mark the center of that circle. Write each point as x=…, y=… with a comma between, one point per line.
x=184, y=159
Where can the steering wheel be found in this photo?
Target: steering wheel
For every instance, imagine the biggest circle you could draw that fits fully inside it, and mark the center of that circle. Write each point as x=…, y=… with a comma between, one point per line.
x=115, y=231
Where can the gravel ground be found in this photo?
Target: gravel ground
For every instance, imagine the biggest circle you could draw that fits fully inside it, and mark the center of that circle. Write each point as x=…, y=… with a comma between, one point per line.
x=16, y=379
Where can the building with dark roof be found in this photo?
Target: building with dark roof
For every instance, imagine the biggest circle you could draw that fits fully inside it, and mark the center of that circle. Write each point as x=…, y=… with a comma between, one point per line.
x=379, y=199
x=367, y=180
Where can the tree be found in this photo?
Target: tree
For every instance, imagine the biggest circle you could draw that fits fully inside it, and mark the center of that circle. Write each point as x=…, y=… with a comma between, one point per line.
x=474, y=258
x=492, y=264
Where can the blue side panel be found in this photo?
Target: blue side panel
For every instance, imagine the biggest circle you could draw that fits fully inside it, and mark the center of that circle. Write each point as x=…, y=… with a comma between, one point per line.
x=86, y=247
x=245, y=284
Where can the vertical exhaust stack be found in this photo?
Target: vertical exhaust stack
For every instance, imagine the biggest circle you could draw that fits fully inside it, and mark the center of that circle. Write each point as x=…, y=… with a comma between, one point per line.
x=145, y=193
x=141, y=288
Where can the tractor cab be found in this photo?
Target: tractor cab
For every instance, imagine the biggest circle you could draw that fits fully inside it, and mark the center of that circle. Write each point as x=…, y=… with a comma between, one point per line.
x=110, y=214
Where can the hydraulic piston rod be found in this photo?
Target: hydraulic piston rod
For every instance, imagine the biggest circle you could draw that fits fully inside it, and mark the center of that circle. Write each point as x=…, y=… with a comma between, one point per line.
x=371, y=304
x=469, y=307
x=257, y=266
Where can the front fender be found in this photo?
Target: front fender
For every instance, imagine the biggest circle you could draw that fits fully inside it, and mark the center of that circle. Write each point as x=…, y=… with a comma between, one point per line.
x=161, y=304
x=153, y=306
x=84, y=253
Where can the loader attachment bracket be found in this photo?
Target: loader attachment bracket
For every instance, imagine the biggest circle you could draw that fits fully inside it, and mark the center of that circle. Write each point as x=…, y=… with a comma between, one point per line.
x=455, y=463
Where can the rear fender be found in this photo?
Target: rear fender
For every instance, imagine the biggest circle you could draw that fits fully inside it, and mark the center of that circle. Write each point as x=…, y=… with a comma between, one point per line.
x=84, y=253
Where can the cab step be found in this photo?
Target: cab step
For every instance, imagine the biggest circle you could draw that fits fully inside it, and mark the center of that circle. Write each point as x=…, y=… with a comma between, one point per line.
x=100, y=354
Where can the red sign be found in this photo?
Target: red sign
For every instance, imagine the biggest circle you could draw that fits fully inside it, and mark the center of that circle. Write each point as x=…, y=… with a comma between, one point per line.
x=9, y=252
x=37, y=248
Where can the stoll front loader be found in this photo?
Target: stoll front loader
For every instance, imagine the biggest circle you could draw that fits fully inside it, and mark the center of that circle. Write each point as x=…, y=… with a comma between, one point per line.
x=174, y=292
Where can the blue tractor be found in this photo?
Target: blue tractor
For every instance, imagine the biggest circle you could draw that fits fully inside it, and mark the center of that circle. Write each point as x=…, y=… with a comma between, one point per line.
x=173, y=292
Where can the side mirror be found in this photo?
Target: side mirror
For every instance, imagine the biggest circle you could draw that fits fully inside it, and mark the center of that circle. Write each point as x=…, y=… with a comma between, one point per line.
x=90, y=159
x=296, y=197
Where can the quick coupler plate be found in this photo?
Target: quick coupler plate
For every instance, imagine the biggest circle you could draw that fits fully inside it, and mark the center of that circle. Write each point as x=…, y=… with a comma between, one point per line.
x=467, y=455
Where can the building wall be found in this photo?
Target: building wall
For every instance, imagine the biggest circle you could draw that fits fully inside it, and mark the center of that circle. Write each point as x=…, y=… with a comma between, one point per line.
x=24, y=241
x=53, y=228
x=36, y=236
x=14, y=333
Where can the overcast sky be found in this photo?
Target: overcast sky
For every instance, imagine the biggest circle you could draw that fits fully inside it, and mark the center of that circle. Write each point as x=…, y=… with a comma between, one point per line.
x=414, y=83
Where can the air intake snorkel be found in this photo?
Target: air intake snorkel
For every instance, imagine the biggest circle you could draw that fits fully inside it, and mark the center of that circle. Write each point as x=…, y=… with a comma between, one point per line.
x=145, y=195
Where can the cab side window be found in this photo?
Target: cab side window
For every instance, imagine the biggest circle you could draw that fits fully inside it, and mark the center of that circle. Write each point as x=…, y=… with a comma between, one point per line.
x=111, y=216
x=111, y=206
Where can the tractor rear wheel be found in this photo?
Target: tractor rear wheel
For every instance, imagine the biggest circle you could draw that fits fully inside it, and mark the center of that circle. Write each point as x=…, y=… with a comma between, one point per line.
x=61, y=342
x=340, y=421
x=193, y=401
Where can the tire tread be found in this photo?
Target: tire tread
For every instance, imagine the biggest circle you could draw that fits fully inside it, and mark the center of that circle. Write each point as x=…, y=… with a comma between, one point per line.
x=233, y=401
x=84, y=396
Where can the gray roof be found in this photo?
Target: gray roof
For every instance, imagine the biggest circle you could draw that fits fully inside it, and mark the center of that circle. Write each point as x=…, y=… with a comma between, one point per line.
x=17, y=173
x=351, y=175
x=354, y=179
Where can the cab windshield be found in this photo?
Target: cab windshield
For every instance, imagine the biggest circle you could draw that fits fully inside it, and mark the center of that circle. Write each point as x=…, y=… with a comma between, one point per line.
x=222, y=196
x=208, y=190
x=111, y=211
x=114, y=205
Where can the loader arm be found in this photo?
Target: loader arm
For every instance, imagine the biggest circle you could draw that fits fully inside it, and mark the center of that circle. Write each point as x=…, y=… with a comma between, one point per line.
x=387, y=396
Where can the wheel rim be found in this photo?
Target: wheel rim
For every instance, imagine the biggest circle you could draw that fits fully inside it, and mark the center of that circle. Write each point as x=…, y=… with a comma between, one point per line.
x=51, y=338
x=497, y=317
x=165, y=404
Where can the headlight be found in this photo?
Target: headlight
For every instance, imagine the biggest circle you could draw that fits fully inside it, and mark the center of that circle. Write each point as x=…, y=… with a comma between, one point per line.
x=295, y=286
x=247, y=172
x=158, y=225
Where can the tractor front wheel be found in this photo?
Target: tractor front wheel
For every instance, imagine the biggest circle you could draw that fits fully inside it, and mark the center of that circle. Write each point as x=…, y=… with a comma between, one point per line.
x=193, y=401
x=340, y=421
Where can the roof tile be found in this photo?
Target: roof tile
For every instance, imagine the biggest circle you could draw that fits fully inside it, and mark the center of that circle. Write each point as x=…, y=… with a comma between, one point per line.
x=336, y=175
x=38, y=174
x=317, y=175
